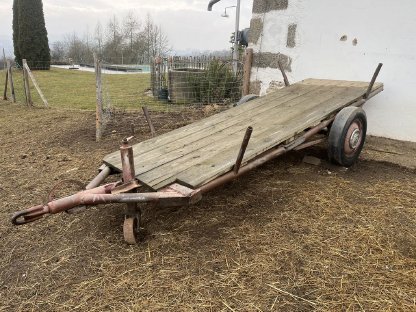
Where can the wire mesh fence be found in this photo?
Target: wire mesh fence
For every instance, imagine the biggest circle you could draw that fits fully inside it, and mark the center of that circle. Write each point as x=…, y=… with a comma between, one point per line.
x=196, y=80
x=194, y=87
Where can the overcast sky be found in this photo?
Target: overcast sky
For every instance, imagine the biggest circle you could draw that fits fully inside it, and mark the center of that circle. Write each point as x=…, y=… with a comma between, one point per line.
x=187, y=23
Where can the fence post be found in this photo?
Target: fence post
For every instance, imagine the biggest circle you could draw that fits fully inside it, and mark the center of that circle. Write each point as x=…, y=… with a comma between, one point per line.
x=11, y=82
x=247, y=71
x=153, y=76
x=5, y=86
x=4, y=59
x=26, y=84
x=99, y=102
x=35, y=83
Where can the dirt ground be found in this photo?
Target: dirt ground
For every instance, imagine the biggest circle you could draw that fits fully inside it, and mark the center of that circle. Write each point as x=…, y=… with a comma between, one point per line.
x=286, y=237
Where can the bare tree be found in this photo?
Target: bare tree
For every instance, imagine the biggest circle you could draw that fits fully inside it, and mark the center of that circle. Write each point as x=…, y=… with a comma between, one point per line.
x=58, y=51
x=155, y=40
x=131, y=26
x=131, y=42
x=113, y=46
x=99, y=38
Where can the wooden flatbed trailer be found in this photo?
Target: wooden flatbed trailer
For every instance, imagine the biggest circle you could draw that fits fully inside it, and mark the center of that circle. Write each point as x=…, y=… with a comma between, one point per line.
x=181, y=165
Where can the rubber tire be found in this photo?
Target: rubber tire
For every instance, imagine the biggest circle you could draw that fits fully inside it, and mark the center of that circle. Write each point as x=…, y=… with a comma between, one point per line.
x=246, y=98
x=338, y=132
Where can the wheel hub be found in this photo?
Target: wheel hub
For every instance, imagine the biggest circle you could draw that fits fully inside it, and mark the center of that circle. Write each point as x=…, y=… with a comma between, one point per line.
x=355, y=138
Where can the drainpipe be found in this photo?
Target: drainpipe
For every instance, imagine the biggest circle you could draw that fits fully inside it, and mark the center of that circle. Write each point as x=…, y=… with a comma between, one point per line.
x=237, y=26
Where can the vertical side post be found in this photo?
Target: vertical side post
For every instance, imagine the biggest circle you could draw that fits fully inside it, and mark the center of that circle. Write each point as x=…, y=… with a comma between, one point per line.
x=373, y=80
x=131, y=226
x=282, y=70
x=11, y=82
x=247, y=71
x=153, y=77
x=242, y=151
x=127, y=163
x=26, y=84
x=99, y=100
x=5, y=86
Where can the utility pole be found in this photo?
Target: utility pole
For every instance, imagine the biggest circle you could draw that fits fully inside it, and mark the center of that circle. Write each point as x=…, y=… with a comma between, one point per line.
x=237, y=26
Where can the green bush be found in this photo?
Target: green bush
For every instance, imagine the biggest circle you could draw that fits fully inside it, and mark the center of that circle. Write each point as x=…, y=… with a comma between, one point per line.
x=217, y=84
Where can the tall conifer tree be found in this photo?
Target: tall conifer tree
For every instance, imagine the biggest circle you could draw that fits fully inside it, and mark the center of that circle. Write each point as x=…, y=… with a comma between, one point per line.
x=29, y=34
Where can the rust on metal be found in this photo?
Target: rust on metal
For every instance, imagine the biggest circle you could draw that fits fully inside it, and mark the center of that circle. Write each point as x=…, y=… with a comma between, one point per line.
x=265, y=157
x=149, y=121
x=127, y=160
x=127, y=164
x=174, y=195
x=373, y=80
x=243, y=148
x=104, y=173
x=309, y=144
x=126, y=187
x=282, y=70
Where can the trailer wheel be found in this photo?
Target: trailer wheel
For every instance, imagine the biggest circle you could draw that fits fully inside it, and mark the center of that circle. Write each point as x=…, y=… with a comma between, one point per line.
x=246, y=98
x=347, y=136
x=131, y=228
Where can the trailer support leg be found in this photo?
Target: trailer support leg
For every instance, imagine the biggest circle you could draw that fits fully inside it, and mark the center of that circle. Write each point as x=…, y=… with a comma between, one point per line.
x=131, y=224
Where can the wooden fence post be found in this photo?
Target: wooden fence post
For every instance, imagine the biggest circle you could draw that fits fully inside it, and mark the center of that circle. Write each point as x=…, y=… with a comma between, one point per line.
x=26, y=84
x=5, y=86
x=99, y=97
x=4, y=60
x=247, y=71
x=11, y=82
x=35, y=83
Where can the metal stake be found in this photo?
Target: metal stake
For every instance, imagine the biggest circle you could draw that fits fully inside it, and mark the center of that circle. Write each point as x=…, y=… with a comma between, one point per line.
x=373, y=80
x=127, y=163
x=242, y=149
x=282, y=70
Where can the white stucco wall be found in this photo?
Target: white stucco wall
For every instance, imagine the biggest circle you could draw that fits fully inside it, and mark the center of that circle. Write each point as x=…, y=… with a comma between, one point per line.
x=385, y=31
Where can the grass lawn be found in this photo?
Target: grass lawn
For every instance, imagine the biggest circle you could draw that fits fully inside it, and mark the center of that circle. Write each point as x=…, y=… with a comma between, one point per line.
x=73, y=89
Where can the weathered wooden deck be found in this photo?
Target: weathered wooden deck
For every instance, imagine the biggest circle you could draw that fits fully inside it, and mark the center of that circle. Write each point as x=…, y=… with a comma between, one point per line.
x=199, y=152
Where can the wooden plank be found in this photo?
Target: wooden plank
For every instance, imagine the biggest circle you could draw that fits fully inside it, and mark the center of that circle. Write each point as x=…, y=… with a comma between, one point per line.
x=35, y=83
x=204, y=127
x=223, y=128
x=204, y=173
x=210, y=166
x=341, y=83
x=193, y=141
x=262, y=126
x=196, y=137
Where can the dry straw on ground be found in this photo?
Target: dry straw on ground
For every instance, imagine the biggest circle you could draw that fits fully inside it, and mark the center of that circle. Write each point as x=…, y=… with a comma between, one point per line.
x=286, y=237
